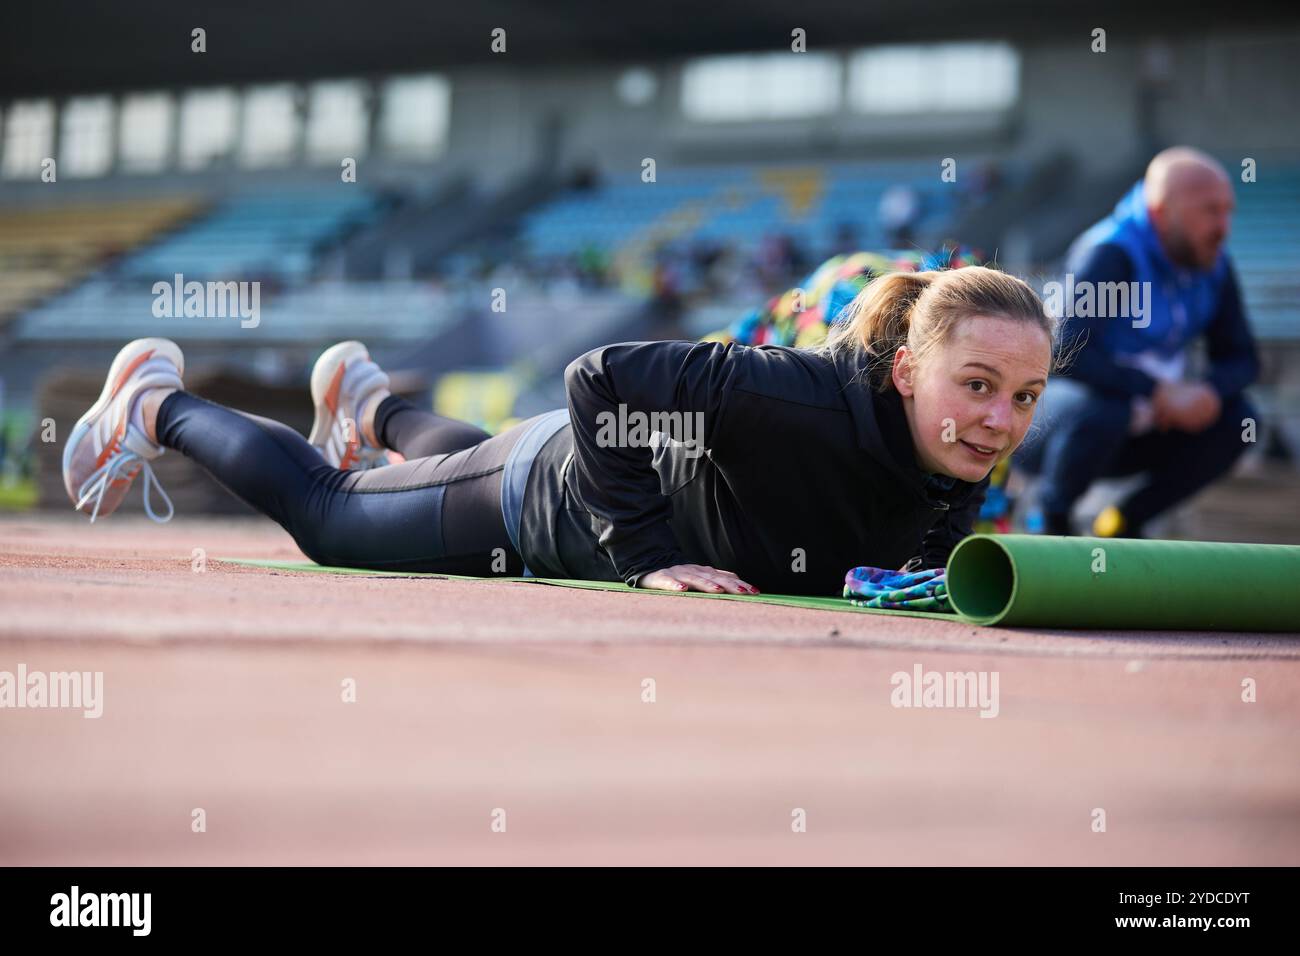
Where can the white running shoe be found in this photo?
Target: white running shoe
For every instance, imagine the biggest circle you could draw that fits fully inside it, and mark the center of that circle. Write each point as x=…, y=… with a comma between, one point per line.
x=106, y=449
x=342, y=382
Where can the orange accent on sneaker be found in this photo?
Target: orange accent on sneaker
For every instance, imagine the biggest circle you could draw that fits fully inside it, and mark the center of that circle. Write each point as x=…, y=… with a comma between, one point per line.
x=126, y=372
x=332, y=393
x=113, y=445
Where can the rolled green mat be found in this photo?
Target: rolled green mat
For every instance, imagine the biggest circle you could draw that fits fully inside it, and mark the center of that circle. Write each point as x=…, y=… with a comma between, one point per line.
x=1047, y=581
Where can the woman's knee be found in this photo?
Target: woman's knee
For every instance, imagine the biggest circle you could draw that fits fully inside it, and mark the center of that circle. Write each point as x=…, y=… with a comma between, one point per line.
x=310, y=510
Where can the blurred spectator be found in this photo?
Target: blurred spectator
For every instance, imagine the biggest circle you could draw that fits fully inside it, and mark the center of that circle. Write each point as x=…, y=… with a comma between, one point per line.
x=778, y=260
x=846, y=239
x=1128, y=405
x=981, y=187
x=900, y=212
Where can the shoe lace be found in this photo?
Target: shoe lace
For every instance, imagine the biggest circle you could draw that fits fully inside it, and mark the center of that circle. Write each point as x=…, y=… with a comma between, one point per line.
x=97, y=484
x=368, y=458
x=362, y=456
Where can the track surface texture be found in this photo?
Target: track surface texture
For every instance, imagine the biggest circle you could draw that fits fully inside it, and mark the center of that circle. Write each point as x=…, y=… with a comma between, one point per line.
x=499, y=723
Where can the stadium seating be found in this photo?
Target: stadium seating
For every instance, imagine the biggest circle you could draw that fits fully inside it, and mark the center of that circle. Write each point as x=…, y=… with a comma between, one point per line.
x=44, y=249
x=1266, y=250
x=254, y=236
x=262, y=234
x=735, y=205
x=104, y=309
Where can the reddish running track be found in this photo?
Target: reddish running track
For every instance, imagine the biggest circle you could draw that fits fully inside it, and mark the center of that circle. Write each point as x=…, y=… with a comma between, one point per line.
x=222, y=692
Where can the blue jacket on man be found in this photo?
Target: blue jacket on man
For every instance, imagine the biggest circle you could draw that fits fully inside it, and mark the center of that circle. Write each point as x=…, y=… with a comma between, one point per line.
x=1183, y=304
x=1134, y=326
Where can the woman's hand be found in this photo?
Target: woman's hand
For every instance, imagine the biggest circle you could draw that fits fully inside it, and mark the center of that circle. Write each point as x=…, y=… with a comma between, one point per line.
x=695, y=577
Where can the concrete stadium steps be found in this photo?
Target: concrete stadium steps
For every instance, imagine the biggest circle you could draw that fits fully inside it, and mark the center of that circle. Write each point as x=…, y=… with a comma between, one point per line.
x=1256, y=504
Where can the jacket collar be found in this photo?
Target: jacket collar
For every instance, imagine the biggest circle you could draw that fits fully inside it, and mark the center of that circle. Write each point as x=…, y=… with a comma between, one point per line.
x=882, y=432
x=1133, y=210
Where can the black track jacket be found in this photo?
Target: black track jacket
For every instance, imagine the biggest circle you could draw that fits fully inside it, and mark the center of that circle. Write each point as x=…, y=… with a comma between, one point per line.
x=783, y=466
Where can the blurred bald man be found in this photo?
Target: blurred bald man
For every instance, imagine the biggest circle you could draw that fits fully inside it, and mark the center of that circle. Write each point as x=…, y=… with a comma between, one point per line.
x=1133, y=407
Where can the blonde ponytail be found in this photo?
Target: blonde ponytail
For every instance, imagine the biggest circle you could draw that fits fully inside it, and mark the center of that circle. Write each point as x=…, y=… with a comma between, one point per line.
x=877, y=321
x=921, y=310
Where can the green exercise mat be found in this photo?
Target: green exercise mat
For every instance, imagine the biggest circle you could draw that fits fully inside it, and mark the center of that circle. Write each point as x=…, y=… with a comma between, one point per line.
x=1047, y=581
x=788, y=600
x=1019, y=580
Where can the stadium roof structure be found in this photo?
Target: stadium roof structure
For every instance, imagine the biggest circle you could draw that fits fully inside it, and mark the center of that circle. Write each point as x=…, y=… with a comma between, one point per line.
x=71, y=46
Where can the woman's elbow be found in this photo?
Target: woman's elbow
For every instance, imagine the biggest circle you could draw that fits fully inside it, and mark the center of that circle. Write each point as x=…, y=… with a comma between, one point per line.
x=579, y=373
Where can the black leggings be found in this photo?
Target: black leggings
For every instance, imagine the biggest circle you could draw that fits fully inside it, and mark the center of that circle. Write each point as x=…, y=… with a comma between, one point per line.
x=440, y=510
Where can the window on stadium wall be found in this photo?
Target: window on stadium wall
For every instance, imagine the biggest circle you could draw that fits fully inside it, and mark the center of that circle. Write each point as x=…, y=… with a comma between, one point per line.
x=29, y=137
x=415, y=115
x=944, y=77
x=144, y=132
x=762, y=86
x=637, y=86
x=337, y=120
x=207, y=127
x=264, y=126
x=270, y=126
x=86, y=136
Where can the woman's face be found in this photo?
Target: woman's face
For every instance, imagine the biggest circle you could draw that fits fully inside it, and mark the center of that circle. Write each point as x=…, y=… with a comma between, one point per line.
x=972, y=399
